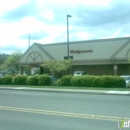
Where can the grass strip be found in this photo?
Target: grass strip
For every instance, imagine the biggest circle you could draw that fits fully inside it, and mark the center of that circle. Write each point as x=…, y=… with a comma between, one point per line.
x=69, y=87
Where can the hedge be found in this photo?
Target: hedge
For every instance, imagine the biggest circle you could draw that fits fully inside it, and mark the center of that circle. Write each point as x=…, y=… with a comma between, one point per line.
x=19, y=80
x=7, y=80
x=93, y=81
x=68, y=80
x=112, y=81
x=32, y=80
x=44, y=80
x=26, y=80
x=1, y=80
x=65, y=81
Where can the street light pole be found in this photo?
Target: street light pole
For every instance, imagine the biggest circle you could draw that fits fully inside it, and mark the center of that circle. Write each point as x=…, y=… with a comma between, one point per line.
x=68, y=16
x=29, y=39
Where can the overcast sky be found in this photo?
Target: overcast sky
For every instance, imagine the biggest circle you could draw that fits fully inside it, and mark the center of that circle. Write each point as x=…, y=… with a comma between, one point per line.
x=45, y=21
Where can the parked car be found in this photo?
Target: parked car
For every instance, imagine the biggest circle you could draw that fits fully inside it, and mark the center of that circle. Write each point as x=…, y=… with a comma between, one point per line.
x=79, y=73
x=127, y=79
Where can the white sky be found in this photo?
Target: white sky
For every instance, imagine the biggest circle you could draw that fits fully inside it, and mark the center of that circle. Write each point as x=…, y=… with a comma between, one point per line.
x=45, y=21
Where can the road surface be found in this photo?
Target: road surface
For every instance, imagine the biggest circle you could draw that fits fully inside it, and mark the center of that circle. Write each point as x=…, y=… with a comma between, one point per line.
x=32, y=110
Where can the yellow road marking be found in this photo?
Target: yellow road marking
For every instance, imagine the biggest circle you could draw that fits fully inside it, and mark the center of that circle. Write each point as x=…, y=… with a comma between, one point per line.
x=58, y=113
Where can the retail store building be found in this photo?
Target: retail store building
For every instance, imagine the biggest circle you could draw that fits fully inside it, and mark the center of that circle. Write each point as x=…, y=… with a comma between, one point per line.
x=96, y=57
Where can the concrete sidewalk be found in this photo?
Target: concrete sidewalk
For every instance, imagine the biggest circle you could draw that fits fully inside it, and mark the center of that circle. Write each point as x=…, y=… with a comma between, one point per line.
x=112, y=92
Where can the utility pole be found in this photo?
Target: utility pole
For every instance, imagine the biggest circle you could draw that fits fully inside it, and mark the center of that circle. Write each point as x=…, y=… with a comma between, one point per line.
x=68, y=16
x=29, y=39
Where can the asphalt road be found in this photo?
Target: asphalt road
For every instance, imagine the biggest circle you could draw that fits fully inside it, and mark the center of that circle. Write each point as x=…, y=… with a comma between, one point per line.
x=31, y=110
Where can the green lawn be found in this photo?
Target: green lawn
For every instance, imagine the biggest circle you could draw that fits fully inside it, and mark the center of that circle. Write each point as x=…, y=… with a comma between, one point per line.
x=66, y=87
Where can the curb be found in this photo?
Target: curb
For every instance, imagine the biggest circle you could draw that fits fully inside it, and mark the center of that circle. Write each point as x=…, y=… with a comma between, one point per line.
x=104, y=92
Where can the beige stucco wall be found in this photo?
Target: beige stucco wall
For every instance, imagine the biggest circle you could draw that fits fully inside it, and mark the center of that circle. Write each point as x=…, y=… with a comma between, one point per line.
x=100, y=51
x=33, y=55
x=123, y=52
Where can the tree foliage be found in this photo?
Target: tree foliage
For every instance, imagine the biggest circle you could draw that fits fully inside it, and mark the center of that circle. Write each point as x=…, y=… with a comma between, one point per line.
x=10, y=63
x=57, y=66
x=3, y=58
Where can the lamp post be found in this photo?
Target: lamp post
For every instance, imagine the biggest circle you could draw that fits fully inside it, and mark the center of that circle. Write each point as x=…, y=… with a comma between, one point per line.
x=29, y=39
x=68, y=16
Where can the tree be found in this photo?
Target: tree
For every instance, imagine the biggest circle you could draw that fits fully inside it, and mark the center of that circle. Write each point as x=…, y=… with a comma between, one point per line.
x=3, y=58
x=10, y=63
x=57, y=66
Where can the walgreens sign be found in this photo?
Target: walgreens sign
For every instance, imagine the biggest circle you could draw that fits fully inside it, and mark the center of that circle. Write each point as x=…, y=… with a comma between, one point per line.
x=80, y=51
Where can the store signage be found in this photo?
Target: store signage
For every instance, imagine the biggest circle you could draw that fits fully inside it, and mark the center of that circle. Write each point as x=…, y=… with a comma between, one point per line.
x=66, y=57
x=80, y=51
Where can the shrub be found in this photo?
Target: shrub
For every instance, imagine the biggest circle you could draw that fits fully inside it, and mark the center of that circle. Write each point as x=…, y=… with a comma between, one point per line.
x=112, y=81
x=1, y=80
x=65, y=81
x=32, y=80
x=98, y=81
x=20, y=80
x=121, y=82
x=76, y=81
x=44, y=80
x=83, y=81
x=7, y=79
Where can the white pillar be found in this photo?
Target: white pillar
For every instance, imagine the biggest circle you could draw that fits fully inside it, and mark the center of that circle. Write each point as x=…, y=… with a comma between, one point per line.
x=115, y=69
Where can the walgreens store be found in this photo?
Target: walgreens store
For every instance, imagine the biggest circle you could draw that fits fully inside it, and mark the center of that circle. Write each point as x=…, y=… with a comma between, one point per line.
x=96, y=57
